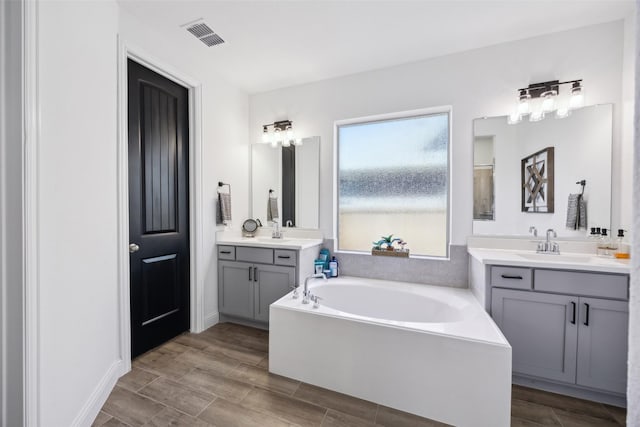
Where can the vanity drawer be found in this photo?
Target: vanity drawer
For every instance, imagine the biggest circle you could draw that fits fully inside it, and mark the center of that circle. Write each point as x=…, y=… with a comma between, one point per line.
x=511, y=277
x=579, y=283
x=284, y=257
x=226, y=252
x=260, y=255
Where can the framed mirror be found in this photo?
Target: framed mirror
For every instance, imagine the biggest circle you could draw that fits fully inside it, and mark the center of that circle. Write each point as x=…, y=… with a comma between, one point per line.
x=290, y=176
x=525, y=174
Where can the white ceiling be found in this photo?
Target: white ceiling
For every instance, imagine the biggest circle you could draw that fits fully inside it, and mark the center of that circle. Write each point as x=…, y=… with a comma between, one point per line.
x=274, y=44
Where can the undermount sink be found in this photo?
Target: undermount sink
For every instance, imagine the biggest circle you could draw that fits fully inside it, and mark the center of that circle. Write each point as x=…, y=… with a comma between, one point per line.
x=556, y=257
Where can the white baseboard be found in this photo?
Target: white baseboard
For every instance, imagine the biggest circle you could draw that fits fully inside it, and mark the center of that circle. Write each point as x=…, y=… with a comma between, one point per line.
x=211, y=320
x=99, y=395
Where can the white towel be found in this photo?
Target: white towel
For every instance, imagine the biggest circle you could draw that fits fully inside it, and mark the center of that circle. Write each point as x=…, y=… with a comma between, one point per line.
x=224, y=207
x=272, y=209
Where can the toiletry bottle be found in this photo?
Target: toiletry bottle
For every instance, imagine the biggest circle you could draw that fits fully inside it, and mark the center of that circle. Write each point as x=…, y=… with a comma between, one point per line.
x=622, y=252
x=594, y=235
x=603, y=244
x=333, y=267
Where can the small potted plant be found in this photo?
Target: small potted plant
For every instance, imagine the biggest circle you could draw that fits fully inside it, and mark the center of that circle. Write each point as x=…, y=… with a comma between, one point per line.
x=385, y=246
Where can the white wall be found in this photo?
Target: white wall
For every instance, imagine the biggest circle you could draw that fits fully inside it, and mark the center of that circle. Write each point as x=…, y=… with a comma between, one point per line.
x=78, y=294
x=224, y=135
x=77, y=199
x=476, y=83
x=11, y=213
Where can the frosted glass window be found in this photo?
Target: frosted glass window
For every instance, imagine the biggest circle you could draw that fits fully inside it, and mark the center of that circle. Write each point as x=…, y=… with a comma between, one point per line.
x=393, y=178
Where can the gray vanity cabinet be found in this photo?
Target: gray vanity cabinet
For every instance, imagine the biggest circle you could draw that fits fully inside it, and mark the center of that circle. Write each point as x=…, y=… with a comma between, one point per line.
x=564, y=326
x=272, y=282
x=542, y=333
x=235, y=289
x=602, y=344
x=250, y=279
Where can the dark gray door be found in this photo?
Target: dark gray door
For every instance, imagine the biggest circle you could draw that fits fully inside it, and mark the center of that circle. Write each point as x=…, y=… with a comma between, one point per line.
x=158, y=208
x=602, y=344
x=542, y=330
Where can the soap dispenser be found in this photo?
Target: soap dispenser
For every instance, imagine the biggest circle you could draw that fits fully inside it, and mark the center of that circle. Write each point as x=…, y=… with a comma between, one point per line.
x=604, y=244
x=622, y=251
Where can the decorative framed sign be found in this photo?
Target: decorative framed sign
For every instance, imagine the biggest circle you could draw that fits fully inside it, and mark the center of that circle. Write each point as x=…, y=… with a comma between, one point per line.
x=537, y=182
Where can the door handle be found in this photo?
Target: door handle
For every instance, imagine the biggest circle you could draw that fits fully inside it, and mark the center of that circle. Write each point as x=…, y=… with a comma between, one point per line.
x=573, y=316
x=255, y=274
x=250, y=278
x=133, y=248
x=586, y=314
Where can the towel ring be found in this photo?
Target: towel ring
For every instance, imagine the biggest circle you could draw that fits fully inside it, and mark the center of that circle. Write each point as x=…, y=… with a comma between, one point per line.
x=222, y=184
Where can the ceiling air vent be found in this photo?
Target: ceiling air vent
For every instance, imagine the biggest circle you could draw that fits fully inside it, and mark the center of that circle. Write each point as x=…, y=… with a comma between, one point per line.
x=204, y=33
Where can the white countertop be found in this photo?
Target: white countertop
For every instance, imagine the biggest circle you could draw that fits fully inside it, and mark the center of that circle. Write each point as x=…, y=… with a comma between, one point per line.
x=268, y=242
x=565, y=261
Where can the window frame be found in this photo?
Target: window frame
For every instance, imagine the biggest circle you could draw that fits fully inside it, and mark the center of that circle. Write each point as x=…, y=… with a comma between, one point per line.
x=446, y=109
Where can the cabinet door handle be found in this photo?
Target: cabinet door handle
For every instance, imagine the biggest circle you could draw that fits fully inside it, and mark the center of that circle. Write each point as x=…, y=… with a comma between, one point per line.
x=250, y=278
x=508, y=276
x=225, y=252
x=255, y=274
x=586, y=314
x=573, y=316
x=284, y=256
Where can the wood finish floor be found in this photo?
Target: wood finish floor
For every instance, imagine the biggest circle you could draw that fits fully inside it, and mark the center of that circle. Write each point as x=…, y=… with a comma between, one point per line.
x=220, y=378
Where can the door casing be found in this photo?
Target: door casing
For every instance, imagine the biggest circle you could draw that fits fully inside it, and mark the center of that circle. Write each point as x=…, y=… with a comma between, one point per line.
x=128, y=51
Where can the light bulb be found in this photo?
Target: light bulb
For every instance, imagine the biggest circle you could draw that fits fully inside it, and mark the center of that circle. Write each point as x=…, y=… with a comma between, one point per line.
x=576, y=100
x=277, y=135
x=274, y=143
x=577, y=96
x=289, y=133
x=523, y=102
x=548, y=101
x=265, y=135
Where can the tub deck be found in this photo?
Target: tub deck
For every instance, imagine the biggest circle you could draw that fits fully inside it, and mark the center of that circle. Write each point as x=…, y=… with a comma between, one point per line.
x=454, y=372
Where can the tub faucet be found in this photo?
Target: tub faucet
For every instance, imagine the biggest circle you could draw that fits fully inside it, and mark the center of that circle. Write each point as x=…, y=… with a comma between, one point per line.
x=306, y=294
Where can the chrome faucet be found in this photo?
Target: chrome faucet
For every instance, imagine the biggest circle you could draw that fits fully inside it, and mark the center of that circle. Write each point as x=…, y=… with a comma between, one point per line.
x=289, y=223
x=277, y=232
x=548, y=246
x=306, y=293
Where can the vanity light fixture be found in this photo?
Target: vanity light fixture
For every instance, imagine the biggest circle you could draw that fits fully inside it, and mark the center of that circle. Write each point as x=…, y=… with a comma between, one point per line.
x=280, y=133
x=539, y=99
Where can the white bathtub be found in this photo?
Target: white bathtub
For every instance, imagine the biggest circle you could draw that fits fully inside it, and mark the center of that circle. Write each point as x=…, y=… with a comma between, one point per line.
x=429, y=350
